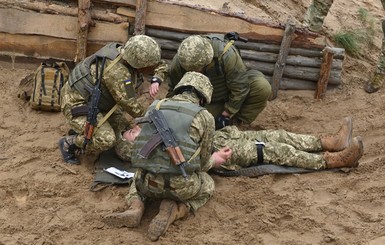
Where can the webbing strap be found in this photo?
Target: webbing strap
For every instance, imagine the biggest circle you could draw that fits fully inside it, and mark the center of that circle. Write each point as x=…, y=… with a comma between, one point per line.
x=113, y=109
x=228, y=45
x=260, y=146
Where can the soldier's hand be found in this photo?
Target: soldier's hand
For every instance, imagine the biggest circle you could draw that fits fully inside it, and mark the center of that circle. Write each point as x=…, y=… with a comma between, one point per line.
x=221, y=156
x=154, y=89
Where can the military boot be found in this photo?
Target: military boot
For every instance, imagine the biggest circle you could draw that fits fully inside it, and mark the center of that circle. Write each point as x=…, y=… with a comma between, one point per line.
x=168, y=213
x=375, y=83
x=341, y=140
x=130, y=218
x=68, y=149
x=347, y=158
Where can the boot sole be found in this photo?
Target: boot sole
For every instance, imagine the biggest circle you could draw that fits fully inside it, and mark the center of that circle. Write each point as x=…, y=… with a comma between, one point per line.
x=120, y=220
x=161, y=222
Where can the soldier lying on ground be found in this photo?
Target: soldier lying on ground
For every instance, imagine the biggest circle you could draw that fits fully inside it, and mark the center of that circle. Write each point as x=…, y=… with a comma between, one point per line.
x=235, y=149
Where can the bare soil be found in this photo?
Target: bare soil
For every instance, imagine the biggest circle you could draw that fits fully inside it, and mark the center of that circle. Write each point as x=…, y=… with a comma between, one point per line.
x=45, y=201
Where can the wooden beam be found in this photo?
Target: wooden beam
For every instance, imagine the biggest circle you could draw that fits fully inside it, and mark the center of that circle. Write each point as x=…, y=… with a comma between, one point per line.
x=324, y=74
x=42, y=47
x=140, y=19
x=84, y=22
x=281, y=61
x=188, y=20
x=51, y=8
x=59, y=26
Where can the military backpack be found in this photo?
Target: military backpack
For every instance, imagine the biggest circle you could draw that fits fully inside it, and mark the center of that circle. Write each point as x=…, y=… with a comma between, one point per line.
x=48, y=80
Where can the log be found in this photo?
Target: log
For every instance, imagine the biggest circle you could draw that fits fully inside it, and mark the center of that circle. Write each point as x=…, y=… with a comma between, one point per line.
x=305, y=73
x=267, y=57
x=298, y=84
x=58, y=26
x=281, y=61
x=42, y=47
x=324, y=74
x=140, y=17
x=51, y=8
x=84, y=21
x=339, y=53
x=189, y=20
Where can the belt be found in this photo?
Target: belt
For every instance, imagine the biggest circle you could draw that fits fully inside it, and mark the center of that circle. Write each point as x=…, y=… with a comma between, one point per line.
x=156, y=185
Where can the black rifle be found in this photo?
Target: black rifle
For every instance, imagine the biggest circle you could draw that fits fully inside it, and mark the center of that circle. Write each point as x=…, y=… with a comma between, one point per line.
x=93, y=102
x=235, y=36
x=165, y=135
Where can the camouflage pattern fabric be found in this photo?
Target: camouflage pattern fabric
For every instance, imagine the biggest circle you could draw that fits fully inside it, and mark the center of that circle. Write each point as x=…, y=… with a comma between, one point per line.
x=195, y=52
x=281, y=148
x=114, y=81
x=141, y=51
x=199, y=187
x=316, y=13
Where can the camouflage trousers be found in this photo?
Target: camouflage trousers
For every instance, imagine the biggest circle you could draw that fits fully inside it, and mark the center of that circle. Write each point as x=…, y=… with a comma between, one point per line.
x=194, y=192
x=281, y=148
x=104, y=137
x=256, y=101
x=316, y=13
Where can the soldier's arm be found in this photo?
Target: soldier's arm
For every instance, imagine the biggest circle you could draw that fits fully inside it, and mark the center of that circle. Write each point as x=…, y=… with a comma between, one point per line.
x=236, y=81
x=115, y=82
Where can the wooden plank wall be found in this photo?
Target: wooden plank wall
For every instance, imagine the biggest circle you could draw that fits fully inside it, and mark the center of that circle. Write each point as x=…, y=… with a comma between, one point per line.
x=52, y=33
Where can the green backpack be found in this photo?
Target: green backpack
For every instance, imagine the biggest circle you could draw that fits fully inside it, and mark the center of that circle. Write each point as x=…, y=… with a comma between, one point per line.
x=49, y=78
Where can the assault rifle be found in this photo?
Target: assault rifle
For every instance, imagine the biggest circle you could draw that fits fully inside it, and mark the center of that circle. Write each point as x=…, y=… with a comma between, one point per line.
x=165, y=135
x=93, y=102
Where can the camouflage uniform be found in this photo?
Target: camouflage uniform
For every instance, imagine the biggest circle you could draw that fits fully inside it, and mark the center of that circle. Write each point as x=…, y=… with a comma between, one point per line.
x=116, y=88
x=316, y=13
x=281, y=148
x=199, y=187
x=241, y=92
x=377, y=80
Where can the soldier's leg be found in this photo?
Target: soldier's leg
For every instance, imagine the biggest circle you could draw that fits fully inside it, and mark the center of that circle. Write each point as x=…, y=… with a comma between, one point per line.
x=215, y=109
x=260, y=91
x=103, y=138
x=377, y=80
x=316, y=13
x=133, y=215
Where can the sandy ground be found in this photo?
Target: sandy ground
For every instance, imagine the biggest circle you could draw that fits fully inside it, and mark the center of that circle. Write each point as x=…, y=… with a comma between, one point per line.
x=44, y=201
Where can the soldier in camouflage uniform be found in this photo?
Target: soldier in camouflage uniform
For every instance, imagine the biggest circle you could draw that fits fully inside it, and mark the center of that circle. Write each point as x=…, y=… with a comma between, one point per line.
x=377, y=80
x=123, y=64
x=284, y=148
x=157, y=177
x=316, y=13
x=239, y=95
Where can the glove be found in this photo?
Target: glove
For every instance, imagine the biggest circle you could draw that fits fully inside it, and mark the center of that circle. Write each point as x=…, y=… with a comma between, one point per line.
x=221, y=121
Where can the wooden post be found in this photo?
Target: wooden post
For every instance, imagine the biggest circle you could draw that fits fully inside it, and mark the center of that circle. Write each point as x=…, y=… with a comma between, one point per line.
x=140, y=17
x=326, y=66
x=281, y=61
x=84, y=21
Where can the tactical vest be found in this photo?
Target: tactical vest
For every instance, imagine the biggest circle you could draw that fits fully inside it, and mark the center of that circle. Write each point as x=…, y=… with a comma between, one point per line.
x=81, y=75
x=215, y=70
x=179, y=118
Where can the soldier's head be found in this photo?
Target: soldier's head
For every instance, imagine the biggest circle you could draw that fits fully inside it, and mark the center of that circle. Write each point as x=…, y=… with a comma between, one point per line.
x=125, y=146
x=141, y=52
x=198, y=83
x=195, y=52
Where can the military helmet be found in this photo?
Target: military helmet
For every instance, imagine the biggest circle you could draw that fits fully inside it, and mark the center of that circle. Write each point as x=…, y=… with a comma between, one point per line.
x=200, y=82
x=141, y=51
x=195, y=52
x=123, y=149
